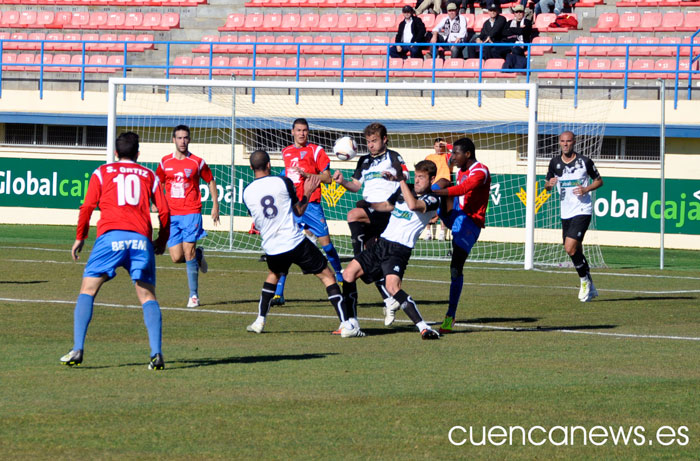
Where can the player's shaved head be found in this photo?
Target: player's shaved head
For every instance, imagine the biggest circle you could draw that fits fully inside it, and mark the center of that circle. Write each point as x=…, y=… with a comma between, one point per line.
x=465, y=145
x=127, y=145
x=568, y=134
x=259, y=160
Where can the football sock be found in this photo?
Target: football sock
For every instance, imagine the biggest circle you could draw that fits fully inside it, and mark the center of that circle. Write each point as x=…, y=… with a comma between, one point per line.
x=357, y=236
x=408, y=306
x=580, y=264
x=279, y=291
x=455, y=292
x=336, y=300
x=81, y=319
x=333, y=258
x=350, y=299
x=154, y=325
x=422, y=326
x=193, y=276
x=382, y=289
x=268, y=291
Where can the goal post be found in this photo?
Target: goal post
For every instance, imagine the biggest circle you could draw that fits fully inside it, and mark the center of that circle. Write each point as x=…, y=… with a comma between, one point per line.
x=230, y=119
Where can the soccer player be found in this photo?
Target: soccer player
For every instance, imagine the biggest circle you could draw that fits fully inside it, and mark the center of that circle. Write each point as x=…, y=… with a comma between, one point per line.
x=301, y=160
x=366, y=222
x=180, y=172
x=441, y=159
x=124, y=191
x=273, y=202
x=388, y=257
x=466, y=216
x=575, y=176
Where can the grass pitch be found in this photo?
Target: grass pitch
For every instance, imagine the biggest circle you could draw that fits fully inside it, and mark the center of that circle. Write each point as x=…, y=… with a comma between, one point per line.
x=525, y=353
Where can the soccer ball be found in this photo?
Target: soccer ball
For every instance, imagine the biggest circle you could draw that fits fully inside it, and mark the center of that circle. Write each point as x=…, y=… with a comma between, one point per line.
x=345, y=148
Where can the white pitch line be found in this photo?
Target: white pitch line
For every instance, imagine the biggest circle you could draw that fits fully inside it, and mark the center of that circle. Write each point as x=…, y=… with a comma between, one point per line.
x=439, y=282
x=364, y=319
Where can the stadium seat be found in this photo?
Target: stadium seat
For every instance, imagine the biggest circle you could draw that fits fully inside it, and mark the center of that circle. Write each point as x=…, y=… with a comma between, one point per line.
x=328, y=22
x=169, y=21
x=621, y=49
x=116, y=60
x=428, y=68
x=51, y=38
x=242, y=62
x=115, y=20
x=583, y=64
x=597, y=64
x=555, y=68
x=359, y=43
x=98, y=20
x=606, y=22
x=27, y=59
x=378, y=66
x=16, y=45
x=668, y=50
x=56, y=63
x=332, y=65
x=253, y=22
x=650, y=22
x=283, y=44
x=205, y=47
x=221, y=61
x=691, y=22
x=451, y=68
x=629, y=22
x=27, y=19
x=685, y=50
x=366, y=22
x=378, y=45
x=651, y=47
x=151, y=21
x=666, y=65
x=234, y=22
x=244, y=45
x=347, y=22
x=10, y=19
x=92, y=41
x=412, y=67
x=74, y=44
x=44, y=18
x=105, y=44
x=291, y=22
x=543, y=21
x=352, y=63
x=271, y=23
x=133, y=20
x=307, y=49
x=672, y=21
x=264, y=44
x=291, y=62
x=429, y=20
x=60, y=19
x=471, y=68
x=494, y=64
x=479, y=20
x=601, y=50
x=396, y=67
x=179, y=65
x=80, y=20
x=541, y=45
x=387, y=22
x=9, y=58
x=583, y=46
x=76, y=62
x=642, y=65
x=311, y=64
x=98, y=60
x=310, y=22
x=200, y=66
x=36, y=36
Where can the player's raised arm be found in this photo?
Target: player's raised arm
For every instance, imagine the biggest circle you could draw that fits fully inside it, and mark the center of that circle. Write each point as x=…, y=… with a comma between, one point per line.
x=310, y=185
x=353, y=185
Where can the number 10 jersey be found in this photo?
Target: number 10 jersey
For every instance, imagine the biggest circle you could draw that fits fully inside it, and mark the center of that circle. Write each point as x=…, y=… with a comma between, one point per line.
x=269, y=201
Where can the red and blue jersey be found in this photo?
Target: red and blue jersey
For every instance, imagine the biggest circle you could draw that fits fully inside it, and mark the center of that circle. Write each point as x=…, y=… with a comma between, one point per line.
x=124, y=191
x=473, y=187
x=181, y=179
x=310, y=158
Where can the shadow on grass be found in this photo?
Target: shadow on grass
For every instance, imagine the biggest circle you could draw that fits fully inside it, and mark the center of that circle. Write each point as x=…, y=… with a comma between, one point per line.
x=500, y=319
x=539, y=328
x=648, y=298
x=206, y=362
x=23, y=282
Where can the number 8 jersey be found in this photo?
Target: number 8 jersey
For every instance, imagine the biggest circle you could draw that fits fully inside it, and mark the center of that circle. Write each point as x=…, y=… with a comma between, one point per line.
x=270, y=200
x=124, y=191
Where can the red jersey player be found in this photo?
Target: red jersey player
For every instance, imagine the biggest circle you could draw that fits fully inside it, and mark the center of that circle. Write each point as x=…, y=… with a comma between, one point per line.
x=466, y=219
x=124, y=191
x=301, y=160
x=180, y=173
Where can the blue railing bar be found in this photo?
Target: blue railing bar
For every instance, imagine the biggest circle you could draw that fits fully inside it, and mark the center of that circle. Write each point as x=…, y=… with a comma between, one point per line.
x=167, y=73
x=298, y=72
x=255, y=63
x=41, y=71
x=576, y=79
x=82, y=74
x=342, y=70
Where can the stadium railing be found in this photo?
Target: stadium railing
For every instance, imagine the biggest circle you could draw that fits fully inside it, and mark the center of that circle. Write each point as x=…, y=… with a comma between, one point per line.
x=686, y=55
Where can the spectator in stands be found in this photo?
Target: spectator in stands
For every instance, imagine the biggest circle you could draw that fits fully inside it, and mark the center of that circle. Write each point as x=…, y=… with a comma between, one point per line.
x=554, y=6
x=411, y=30
x=491, y=32
x=452, y=29
x=518, y=31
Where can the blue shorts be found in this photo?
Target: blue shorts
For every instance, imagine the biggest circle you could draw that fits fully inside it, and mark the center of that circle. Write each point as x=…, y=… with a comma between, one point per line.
x=464, y=232
x=313, y=219
x=126, y=249
x=186, y=228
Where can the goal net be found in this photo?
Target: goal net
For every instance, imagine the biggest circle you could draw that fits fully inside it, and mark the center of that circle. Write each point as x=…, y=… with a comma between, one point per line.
x=231, y=119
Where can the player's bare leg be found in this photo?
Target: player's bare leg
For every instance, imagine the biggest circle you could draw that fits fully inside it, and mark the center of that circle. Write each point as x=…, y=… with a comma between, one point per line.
x=393, y=285
x=185, y=252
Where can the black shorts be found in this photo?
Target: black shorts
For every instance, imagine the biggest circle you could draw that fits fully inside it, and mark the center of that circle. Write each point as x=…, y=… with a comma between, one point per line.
x=382, y=259
x=378, y=221
x=575, y=227
x=306, y=255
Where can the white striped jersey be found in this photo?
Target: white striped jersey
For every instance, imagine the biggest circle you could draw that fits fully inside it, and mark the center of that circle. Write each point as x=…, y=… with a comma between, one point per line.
x=579, y=172
x=405, y=225
x=369, y=172
x=270, y=200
